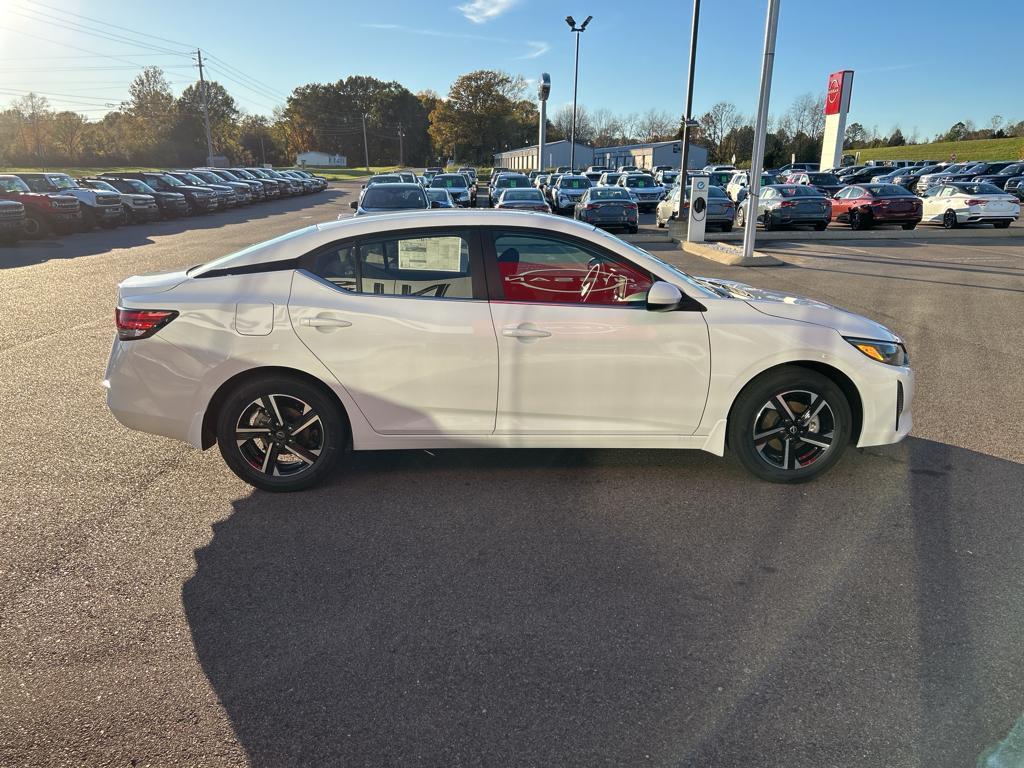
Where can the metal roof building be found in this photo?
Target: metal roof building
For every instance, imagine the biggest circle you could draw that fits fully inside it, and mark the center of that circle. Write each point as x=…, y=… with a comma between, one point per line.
x=648, y=155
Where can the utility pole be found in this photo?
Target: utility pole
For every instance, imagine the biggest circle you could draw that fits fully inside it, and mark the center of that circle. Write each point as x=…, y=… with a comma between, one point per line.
x=575, y=81
x=543, y=91
x=206, y=109
x=401, y=149
x=366, y=149
x=263, y=151
x=771, y=27
x=688, y=117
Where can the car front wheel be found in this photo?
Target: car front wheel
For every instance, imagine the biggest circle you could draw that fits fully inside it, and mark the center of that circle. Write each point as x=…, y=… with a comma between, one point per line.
x=281, y=434
x=789, y=425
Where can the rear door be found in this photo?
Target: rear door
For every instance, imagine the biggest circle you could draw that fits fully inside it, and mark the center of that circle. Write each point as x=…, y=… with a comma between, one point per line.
x=402, y=322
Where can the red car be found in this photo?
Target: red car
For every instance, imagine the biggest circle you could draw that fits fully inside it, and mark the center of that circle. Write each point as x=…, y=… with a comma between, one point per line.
x=864, y=205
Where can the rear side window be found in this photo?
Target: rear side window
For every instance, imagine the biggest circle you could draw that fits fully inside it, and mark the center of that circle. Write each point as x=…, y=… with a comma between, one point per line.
x=434, y=266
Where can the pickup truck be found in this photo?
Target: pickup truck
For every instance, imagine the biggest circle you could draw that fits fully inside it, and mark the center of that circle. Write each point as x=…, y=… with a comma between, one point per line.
x=135, y=207
x=44, y=213
x=99, y=208
x=12, y=221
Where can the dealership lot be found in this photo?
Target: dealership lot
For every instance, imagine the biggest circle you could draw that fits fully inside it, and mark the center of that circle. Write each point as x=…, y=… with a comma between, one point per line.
x=527, y=608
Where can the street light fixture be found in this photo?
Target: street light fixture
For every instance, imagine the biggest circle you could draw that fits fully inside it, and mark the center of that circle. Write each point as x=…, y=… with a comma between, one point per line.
x=575, y=80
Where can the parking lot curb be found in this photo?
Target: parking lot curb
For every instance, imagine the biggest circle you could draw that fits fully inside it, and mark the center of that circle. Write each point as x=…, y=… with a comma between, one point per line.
x=724, y=253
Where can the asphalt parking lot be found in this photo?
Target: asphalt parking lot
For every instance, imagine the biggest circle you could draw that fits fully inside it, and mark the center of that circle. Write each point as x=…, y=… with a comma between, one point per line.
x=527, y=608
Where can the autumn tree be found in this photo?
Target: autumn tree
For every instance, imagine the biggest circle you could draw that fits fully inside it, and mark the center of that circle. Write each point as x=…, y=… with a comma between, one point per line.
x=471, y=124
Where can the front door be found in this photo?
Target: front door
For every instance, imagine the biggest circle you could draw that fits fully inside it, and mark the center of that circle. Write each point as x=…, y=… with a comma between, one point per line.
x=402, y=322
x=578, y=351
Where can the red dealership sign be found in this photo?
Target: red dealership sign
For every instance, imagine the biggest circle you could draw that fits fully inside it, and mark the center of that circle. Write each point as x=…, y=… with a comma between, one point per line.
x=837, y=98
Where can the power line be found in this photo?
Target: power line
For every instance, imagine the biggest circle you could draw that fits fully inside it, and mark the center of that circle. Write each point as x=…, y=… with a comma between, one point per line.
x=59, y=21
x=115, y=26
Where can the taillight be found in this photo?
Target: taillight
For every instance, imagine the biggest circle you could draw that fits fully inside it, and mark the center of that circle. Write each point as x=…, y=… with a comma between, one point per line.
x=141, y=323
x=975, y=202
x=787, y=204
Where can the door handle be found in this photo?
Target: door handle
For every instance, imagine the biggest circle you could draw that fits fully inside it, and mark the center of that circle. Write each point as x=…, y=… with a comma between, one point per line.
x=519, y=332
x=325, y=322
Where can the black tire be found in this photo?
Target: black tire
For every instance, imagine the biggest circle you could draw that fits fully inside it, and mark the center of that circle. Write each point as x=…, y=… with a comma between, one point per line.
x=859, y=221
x=769, y=223
x=255, y=404
x=1001, y=224
x=752, y=414
x=36, y=227
x=908, y=227
x=88, y=219
x=632, y=230
x=820, y=226
x=727, y=226
x=949, y=220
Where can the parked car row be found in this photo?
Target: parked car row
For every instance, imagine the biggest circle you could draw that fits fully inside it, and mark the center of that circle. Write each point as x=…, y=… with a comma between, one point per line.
x=36, y=205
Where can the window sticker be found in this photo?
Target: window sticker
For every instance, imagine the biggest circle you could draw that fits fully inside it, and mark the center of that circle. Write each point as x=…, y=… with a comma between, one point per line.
x=431, y=254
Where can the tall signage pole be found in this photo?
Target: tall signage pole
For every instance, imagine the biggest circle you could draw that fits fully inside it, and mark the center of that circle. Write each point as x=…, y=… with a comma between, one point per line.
x=543, y=91
x=688, y=117
x=837, y=104
x=771, y=27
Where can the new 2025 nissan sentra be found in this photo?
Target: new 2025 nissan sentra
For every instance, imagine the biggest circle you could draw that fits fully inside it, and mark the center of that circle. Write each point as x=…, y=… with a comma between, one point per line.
x=455, y=329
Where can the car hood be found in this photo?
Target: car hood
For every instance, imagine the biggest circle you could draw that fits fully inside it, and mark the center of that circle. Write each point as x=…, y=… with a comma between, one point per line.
x=805, y=310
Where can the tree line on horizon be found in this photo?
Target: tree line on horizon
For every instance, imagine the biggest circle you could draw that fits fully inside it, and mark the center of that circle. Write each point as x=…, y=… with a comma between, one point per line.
x=484, y=112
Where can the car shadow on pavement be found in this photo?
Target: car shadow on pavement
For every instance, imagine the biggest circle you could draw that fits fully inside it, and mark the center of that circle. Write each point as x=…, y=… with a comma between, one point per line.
x=620, y=607
x=99, y=241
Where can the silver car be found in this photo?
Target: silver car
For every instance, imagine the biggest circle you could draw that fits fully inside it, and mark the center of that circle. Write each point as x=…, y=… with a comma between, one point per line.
x=644, y=190
x=720, y=210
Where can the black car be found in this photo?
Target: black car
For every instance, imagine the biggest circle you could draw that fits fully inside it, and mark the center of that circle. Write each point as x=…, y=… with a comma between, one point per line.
x=320, y=181
x=439, y=198
x=826, y=183
x=294, y=186
x=171, y=204
x=199, y=199
x=1015, y=186
x=865, y=174
x=271, y=188
x=1000, y=177
x=909, y=176
x=388, y=198
x=242, y=190
x=12, y=221
x=973, y=171
x=256, y=188
x=222, y=193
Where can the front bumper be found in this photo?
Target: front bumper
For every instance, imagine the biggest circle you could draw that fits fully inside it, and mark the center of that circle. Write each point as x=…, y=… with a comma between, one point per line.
x=886, y=399
x=12, y=225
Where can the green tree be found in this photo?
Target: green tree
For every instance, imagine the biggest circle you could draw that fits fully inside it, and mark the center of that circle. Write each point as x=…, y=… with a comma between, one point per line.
x=471, y=124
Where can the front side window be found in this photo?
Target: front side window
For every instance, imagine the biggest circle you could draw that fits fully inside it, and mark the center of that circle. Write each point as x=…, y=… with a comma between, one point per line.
x=433, y=266
x=548, y=269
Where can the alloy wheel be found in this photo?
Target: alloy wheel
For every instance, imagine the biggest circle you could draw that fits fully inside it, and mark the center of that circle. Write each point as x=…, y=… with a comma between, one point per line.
x=794, y=429
x=280, y=435
x=949, y=219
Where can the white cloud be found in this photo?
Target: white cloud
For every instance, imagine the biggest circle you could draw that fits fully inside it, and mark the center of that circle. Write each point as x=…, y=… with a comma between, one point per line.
x=537, y=48
x=482, y=11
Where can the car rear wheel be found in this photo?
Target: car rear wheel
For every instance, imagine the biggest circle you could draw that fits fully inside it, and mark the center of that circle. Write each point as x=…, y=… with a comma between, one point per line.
x=769, y=223
x=859, y=220
x=820, y=226
x=281, y=434
x=949, y=219
x=789, y=425
x=727, y=226
x=1001, y=224
x=910, y=226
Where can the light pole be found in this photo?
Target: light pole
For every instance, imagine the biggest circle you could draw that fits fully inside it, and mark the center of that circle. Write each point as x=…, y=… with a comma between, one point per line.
x=543, y=91
x=366, y=149
x=688, y=121
x=575, y=80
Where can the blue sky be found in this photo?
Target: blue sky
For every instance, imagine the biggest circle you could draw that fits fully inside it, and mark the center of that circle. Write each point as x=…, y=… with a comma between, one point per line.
x=633, y=55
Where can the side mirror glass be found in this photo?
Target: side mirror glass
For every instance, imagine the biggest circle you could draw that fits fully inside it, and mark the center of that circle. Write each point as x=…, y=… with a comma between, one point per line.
x=353, y=205
x=663, y=297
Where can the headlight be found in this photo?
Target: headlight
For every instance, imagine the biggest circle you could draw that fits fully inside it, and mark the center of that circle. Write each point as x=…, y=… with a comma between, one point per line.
x=888, y=352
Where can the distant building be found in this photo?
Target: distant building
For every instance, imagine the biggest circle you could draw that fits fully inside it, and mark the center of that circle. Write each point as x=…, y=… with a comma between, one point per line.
x=556, y=153
x=650, y=155
x=322, y=159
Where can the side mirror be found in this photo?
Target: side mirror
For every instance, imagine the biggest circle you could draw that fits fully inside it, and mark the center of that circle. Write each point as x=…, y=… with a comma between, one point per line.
x=435, y=203
x=353, y=205
x=663, y=297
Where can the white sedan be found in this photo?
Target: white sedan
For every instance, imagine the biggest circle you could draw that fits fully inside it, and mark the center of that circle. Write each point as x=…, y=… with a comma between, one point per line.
x=459, y=329
x=956, y=203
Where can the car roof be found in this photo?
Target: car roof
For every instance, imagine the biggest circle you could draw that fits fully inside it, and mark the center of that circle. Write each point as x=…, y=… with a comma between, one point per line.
x=302, y=241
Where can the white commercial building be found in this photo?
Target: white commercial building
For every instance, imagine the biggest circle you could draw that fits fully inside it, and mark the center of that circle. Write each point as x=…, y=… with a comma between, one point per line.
x=556, y=153
x=323, y=159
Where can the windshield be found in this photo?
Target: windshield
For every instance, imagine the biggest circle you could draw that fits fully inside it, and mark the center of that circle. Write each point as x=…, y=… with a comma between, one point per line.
x=61, y=181
x=384, y=180
x=243, y=174
x=13, y=184
x=822, y=178
x=669, y=176
x=609, y=193
x=135, y=186
x=574, y=182
x=888, y=190
x=449, y=181
x=192, y=178
x=392, y=197
x=639, y=182
x=172, y=180
x=209, y=176
x=531, y=195
x=798, y=191
x=513, y=181
x=104, y=185
x=980, y=189
x=227, y=175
